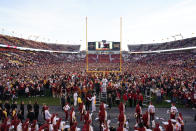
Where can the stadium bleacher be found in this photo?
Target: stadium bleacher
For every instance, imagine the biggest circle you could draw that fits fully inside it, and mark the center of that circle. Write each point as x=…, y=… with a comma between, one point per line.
x=171, y=74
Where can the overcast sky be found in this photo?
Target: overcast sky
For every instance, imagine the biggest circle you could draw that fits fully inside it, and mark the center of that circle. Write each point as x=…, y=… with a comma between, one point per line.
x=63, y=21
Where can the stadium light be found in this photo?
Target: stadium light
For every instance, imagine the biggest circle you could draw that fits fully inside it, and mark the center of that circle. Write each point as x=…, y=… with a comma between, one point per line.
x=181, y=36
x=2, y=30
x=174, y=37
x=192, y=35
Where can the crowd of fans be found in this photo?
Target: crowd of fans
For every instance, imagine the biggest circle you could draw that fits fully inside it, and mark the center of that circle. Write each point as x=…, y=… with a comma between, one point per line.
x=19, y=42
x=190, y=42
x=169, y=76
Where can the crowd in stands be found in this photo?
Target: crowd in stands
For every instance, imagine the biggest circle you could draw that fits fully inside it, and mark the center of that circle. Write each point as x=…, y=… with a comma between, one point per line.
x=19, y=42
x=23, y=73
x=190, y=42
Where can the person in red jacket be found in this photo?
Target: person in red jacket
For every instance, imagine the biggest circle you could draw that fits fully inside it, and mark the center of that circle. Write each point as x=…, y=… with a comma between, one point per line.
x=87, y=126
x=141, y=99
x=120, y=128
x=138, y=112
x=140, y=127
x=81, y=109
x=169, y=127
x=33, y=126
x=72, y=116
x=125, y=98
x=121, y=118
x=145, y=119
x=73, y=127
x=101, y=107
x=157, y=128
x=86, y=116
x=121, y=107
x=181, y=121
x=102, y=116
x=130, y=98
x=134, y=99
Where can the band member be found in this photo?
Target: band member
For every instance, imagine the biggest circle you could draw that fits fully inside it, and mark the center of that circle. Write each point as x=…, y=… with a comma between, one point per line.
x=120, y=128
x=87, y=116
x=87, y=126
x=62, y=101
x=75, y=95
x=140, y=127
x=151, y=111
x=66, y=110
x=72, y=116
x=102, y=115
x=135, y=98
x=122, y=118
x=47, y=114
x=130, y=98
x=101, y=107
x=93, y=99
x=44, y=127
x=105, y=127
x=173, y=111
x=138, y=112
x=140, y=98
x=57, y=125
x=121, y=107
x=73, y=127
x=25, y=125
x=88, y=101
x=169, y=127
x=82, y=110
x=145, y=119
x=157, y=127
x=181, y=121
x=125, y=98
x=177, y=126
x=34, y=126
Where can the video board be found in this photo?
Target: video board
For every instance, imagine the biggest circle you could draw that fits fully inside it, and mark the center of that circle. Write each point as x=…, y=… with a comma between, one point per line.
x=104, y=46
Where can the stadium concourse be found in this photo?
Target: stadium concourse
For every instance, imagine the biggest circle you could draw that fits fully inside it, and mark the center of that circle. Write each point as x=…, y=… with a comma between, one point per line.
x=134, y=98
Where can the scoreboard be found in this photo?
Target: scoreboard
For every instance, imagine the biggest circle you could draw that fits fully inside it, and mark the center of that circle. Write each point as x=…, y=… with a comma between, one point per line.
x=104, y=46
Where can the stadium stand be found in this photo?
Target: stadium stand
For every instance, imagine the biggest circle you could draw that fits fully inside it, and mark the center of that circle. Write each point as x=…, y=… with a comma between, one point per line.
x=14, y=41
x=163, y=46
x=169, y=75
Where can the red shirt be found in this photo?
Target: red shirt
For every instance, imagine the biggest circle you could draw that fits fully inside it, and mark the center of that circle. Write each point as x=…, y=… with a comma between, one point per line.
x=125, y=97
x=141, y=98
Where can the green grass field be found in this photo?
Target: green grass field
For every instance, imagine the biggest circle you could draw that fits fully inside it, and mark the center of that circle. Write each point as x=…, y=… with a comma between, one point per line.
x=41, y=100
x=56, y=101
